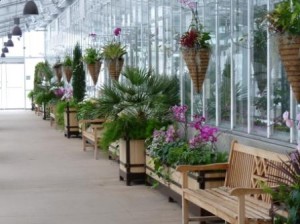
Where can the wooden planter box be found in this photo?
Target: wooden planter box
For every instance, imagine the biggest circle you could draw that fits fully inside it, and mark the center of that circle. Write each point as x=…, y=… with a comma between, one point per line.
x=71, y=122
x=172, y=188
x=132, y=161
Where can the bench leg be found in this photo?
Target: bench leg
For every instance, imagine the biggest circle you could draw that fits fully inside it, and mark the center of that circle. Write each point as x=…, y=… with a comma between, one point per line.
x=96, y=150
x=185, y=210
x=84, y=143
x=241, y=210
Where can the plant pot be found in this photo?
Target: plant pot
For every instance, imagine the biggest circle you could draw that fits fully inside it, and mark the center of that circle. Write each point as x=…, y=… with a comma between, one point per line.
x=132, y=160
x=94, y=70
x=70, y=122
x=172, y=187
x=68, y=73
x=58, y=72
x=289, y=53
x=197, y=61
x=115, y=67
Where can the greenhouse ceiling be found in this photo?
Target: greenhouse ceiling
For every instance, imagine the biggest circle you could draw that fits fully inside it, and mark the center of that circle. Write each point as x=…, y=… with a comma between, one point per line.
x=48, y=10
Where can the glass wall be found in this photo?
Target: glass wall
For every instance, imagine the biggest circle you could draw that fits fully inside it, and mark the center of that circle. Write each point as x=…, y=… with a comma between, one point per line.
x=245, y=90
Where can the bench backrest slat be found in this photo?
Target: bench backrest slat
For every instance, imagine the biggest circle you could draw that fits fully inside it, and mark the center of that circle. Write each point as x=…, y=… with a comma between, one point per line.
x=249, y=166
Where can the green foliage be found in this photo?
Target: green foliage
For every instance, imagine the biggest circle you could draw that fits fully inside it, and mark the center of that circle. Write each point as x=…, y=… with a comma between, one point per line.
x=31, y=94
x=67, y=61
x=137, y=105
x=60, y=109
x=285, y=18
x=59, y=113
x=127, y=127
x=91, y=56
x=113, y=50
x=44, y=96
x=179, y=153
x=142, y=94
x=42, y=71
x=78, y=81
x=85, y=110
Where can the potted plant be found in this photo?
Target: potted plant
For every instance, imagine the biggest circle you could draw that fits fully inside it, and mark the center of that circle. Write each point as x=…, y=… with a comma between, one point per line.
x=284, y=21
x=42, y=85
x=113, y=53
x=92, y=58
x=183, y=143
x=133, y=109
x=195, y=49
x=67, y=64
x=74, y=94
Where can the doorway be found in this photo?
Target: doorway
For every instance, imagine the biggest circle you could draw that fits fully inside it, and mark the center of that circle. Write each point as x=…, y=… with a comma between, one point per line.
x=12, y=85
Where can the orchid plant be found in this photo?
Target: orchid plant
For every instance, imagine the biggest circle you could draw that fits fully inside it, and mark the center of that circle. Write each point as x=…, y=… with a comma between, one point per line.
x=63, y=93
x=184, y=142
x=195, y=37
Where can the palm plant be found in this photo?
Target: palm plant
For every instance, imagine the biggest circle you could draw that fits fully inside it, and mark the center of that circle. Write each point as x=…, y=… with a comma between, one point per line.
x=113, y=50
x=142, y=98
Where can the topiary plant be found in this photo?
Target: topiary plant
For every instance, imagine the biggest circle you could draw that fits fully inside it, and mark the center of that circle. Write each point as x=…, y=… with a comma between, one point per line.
x=78, y=82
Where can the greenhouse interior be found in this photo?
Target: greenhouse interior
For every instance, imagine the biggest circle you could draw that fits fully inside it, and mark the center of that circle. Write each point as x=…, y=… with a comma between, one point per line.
x=150, y=90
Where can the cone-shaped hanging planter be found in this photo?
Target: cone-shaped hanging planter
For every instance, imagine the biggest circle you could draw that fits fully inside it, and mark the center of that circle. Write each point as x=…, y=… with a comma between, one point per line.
x=68, y=73
x=197, y=61
x=290, y=56
x=115, y=67
x=58, y=71
x=94, y=70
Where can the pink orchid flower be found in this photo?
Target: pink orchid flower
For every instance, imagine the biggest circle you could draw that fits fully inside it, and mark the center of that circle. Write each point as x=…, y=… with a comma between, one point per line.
x=289, y=123
x=285, y=115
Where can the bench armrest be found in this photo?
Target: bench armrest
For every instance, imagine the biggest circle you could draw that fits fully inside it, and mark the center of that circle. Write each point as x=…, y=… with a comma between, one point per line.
x=84, y=123
x=240, y=191
x=193, y=168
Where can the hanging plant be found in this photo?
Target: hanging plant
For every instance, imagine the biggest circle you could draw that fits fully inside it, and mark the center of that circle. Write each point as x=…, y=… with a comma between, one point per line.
x=284, y=21
x=113, y=53
x=67, y=64
x=195, y=49
x=92, y=58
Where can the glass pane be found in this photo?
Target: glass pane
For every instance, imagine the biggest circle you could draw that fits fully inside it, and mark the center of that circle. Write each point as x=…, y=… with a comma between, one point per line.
x=259, y=70
x=240, y=62
x=225, y=66
x=34, y=42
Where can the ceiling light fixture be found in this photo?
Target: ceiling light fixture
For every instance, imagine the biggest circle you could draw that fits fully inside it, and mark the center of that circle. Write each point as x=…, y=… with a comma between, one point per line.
x=9, y=43
x=30, y=8
x=5, y=49
x=17, y=30
x=2, y=55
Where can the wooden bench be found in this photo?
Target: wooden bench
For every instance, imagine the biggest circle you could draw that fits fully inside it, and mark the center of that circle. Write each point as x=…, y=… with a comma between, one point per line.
x=240, y=200
x=91, y=131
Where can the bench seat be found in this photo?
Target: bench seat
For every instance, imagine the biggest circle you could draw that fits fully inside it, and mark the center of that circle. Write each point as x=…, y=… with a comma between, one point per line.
x=220, y=203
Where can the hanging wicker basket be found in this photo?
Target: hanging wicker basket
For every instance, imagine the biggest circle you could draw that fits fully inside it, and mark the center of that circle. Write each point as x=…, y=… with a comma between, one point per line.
x=68, y=73
x=197, y=61
x=115, y=67
x=94, y=70
x=289, y=51
x=58, y=72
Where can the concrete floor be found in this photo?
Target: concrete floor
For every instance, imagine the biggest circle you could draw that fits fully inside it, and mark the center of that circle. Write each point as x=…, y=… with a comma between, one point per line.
x=46, y=178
